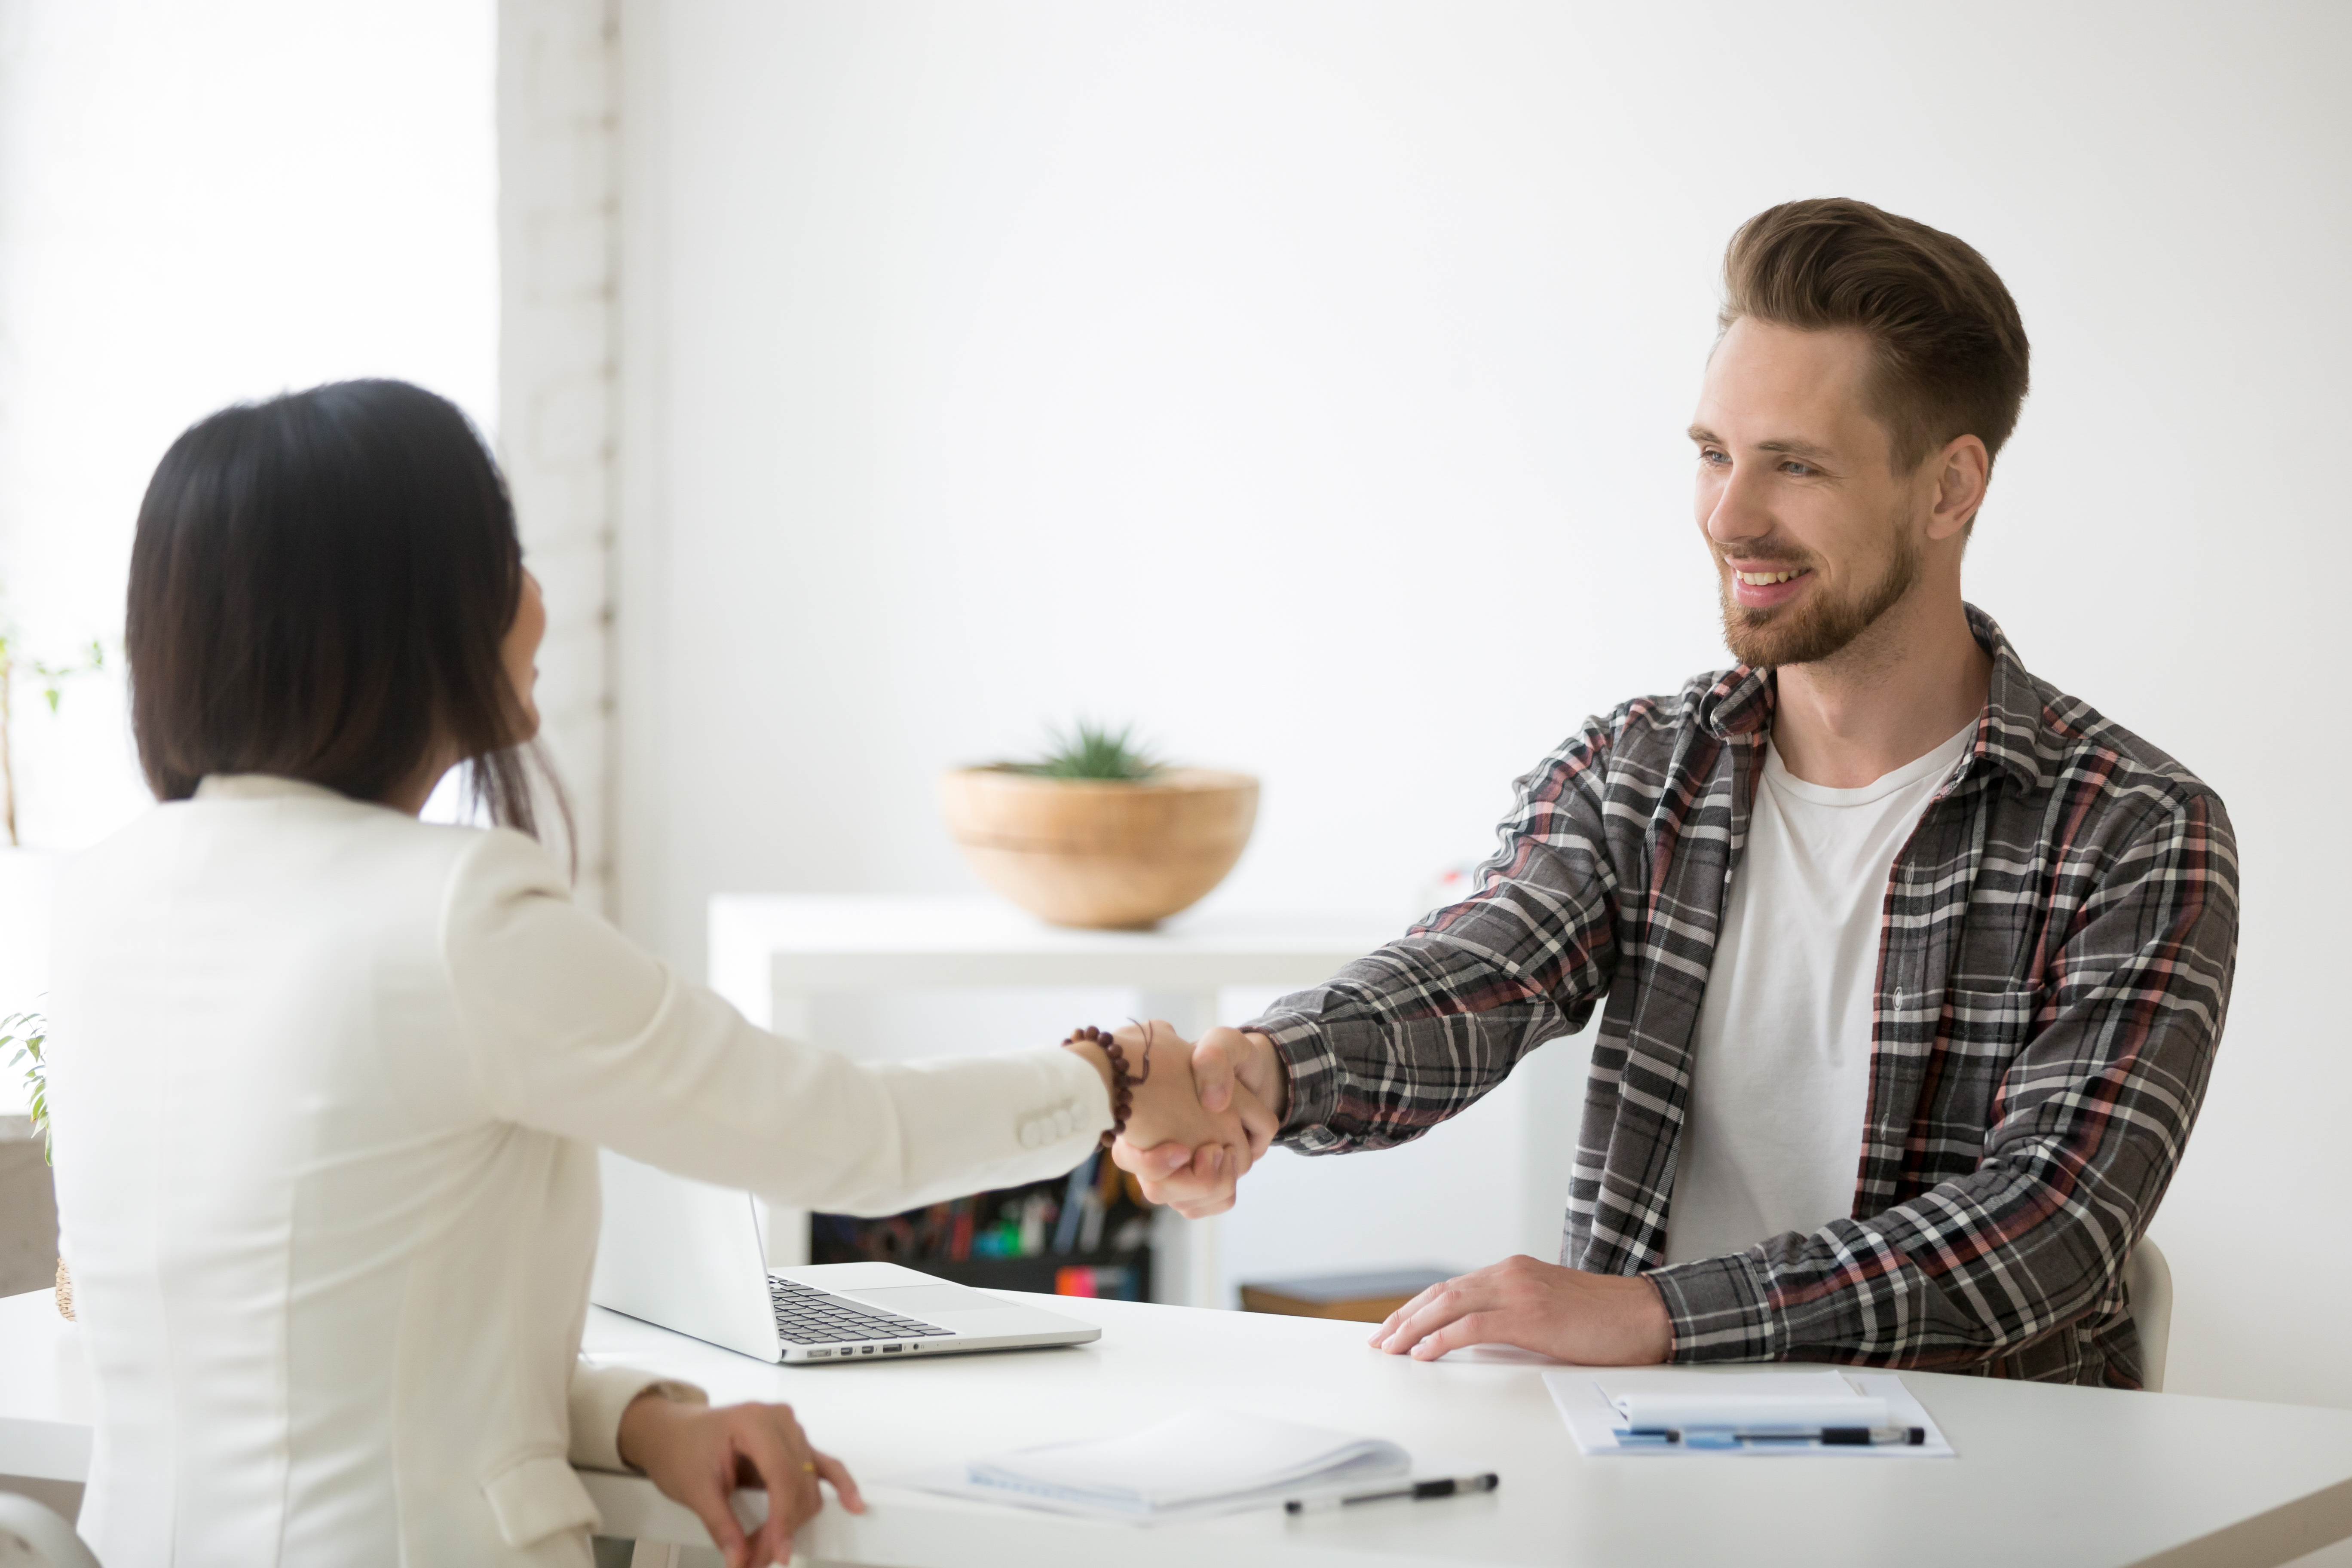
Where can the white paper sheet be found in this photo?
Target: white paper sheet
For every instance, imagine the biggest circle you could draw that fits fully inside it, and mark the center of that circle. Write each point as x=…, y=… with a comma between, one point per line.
x=1201, y=1462
x=1593, y=1421
x=1674, y=1398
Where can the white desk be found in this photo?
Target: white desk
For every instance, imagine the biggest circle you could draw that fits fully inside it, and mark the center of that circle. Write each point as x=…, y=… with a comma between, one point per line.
x=2083, y=1477
x=771, y=954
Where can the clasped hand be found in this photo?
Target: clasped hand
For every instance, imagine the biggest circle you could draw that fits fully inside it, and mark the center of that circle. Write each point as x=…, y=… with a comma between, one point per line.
x=1187, y=1142
x=1229, y=1078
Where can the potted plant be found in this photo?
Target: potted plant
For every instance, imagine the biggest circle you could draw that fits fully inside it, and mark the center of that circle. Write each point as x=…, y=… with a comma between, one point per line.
x=1099, y=834
x=27, y=877
x=29, y=1031
x=52, y=679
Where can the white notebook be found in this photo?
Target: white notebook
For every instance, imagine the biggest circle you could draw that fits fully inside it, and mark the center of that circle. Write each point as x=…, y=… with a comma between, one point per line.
x=1203, y=1461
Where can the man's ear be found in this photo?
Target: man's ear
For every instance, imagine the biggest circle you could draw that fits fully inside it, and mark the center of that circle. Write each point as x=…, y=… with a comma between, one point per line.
x=1962, y=469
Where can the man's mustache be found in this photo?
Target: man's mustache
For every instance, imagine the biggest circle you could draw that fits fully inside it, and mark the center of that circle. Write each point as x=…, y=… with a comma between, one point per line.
x=1765, y=557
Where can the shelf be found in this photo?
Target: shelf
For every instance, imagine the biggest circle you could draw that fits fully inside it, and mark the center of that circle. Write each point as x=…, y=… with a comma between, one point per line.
x=1039, y=1273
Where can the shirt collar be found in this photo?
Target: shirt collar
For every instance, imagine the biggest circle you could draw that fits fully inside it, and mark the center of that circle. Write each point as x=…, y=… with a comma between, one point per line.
x=262, y=787
x=1739, y=706
x=2011, y=724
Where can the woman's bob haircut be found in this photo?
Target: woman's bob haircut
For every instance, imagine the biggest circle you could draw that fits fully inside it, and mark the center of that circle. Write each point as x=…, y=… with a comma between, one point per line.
x=320, y=587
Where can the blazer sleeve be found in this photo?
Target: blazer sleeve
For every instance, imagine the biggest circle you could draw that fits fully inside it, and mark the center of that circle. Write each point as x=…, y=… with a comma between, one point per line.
x=573, y=1029
x=598, y=1397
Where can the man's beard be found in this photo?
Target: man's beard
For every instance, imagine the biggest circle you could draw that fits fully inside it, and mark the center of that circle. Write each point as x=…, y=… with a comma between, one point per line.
x=1819, y=627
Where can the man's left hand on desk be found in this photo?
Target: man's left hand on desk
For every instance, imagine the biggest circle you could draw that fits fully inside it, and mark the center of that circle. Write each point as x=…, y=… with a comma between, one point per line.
x=1598, y=1320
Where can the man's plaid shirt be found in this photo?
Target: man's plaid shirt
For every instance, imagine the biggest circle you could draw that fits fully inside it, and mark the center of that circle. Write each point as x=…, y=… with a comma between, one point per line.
x=2055, y=956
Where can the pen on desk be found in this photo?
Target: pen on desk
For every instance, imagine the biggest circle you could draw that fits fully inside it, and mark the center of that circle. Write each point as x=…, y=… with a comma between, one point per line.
x=1827, y=1436
x=1859, y=1437
x=1451, y=1486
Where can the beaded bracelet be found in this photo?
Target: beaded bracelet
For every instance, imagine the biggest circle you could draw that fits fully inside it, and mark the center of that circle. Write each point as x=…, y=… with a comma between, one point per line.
x=1122, y=1082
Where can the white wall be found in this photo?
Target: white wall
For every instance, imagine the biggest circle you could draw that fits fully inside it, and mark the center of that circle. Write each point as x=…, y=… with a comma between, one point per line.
x=200, y=204
x=197, y=204
x=1304, y=382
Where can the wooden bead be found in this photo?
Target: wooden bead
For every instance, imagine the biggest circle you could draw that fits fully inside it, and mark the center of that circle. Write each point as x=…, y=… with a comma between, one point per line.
x=1122, y=1079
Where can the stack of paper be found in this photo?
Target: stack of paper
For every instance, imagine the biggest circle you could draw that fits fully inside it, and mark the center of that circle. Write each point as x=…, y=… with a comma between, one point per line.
x=1204, y=1462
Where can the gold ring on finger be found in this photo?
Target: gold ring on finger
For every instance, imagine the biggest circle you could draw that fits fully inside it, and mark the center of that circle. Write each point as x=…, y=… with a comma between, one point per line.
x=809, y=1465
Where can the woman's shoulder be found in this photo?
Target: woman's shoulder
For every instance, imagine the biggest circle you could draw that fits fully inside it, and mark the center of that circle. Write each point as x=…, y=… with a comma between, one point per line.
x=300, y=846
x=492, y=868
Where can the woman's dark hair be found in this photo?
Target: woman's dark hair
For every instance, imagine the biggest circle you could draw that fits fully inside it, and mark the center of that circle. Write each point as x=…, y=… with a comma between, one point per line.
x=320, y=588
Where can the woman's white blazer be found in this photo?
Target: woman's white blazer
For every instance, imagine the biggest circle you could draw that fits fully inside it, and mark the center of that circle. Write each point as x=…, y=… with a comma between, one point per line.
x=327, y=1085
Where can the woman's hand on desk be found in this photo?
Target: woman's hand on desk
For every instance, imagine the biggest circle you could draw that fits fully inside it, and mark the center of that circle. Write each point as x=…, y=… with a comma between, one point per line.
x=1598, y=1320
x=699, y=1456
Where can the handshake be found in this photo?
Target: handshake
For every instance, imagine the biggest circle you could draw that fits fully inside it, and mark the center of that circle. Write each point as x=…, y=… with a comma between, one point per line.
x=1199, y=1114
x=1204, y=1113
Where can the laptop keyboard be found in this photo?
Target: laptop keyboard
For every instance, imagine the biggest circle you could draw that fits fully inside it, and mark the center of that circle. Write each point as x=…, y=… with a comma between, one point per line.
x=807, y=1316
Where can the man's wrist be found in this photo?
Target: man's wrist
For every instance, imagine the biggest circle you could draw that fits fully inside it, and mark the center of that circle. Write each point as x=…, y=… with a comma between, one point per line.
x=1273, y=1071
x=1657, y=1324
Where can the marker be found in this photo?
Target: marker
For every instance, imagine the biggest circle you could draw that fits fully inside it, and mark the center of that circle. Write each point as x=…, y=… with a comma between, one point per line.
x=1451, y=1486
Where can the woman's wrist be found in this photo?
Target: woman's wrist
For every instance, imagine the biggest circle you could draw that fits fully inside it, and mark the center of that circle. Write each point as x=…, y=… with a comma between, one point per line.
x=1100, y=1059
x=651, y=1410
x=1125, y=1066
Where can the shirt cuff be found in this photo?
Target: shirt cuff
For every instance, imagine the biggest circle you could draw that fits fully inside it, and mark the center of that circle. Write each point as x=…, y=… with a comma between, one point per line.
x=1313, y=1065
x=1721, y=1309
x=598, y=1397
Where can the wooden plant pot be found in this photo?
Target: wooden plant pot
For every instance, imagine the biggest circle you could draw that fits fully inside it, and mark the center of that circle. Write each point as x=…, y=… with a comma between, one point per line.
x=1090, y=852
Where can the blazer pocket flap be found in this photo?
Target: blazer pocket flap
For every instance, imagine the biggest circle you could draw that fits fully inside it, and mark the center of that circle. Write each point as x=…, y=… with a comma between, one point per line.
x=532, y=1499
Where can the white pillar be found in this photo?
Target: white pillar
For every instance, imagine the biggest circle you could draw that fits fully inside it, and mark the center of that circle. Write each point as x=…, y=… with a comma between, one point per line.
x=558, y=91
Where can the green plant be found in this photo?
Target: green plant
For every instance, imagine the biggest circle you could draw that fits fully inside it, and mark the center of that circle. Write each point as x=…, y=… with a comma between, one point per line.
x=29, y=1031
x=1093, y=751
x=52, y=679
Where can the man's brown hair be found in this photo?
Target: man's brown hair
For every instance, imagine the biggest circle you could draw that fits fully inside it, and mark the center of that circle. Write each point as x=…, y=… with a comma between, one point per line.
x=1952, y=354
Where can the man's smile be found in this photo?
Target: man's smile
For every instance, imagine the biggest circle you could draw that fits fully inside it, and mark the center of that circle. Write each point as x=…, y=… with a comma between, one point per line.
x=1768, y=586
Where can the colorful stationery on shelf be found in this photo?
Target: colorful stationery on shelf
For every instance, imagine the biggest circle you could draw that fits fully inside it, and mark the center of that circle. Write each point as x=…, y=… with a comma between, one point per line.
x=1661, y=1411
x=1190, y=1466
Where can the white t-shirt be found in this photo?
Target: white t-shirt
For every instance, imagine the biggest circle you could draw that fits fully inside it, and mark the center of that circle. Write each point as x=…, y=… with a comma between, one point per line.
x=1772, y=1129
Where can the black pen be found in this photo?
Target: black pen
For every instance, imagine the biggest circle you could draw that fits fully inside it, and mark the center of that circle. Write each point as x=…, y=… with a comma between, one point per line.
x=1451, y=1486
x=1827, y=1436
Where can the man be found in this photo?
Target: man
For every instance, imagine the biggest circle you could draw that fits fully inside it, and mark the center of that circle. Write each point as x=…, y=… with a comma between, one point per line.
x=1912, y=968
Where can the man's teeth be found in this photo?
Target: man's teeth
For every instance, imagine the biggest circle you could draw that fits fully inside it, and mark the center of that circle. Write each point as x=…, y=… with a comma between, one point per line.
x=1759, y=579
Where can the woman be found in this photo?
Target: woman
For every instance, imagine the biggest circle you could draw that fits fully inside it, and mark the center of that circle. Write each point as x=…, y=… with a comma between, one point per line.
x=330, y=1081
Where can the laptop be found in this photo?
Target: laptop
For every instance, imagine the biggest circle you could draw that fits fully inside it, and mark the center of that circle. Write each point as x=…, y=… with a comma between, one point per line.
x=688, y=1257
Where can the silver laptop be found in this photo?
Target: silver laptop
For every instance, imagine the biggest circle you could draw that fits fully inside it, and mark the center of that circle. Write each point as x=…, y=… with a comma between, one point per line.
x=686, y=1256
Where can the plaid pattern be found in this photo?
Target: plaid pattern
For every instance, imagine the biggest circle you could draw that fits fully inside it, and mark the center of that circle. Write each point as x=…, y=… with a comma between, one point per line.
x=2056, y=960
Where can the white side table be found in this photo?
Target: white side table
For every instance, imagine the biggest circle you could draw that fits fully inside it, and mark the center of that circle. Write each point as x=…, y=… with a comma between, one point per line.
x=771, y=954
